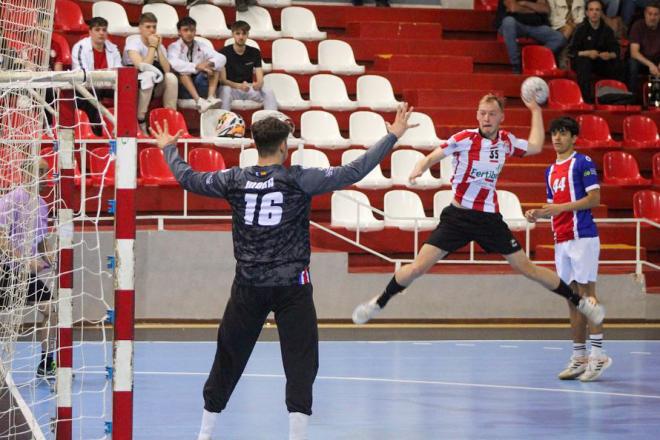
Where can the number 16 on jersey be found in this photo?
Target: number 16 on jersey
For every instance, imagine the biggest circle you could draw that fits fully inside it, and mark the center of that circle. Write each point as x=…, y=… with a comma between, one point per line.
x=270, y=209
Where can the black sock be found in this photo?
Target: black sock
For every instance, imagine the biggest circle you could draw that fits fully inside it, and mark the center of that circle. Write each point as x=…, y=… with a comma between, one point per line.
x=565, y=291
x=392, y=289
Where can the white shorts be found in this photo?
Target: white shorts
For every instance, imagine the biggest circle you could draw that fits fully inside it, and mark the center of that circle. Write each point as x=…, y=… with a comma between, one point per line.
x=577, y=260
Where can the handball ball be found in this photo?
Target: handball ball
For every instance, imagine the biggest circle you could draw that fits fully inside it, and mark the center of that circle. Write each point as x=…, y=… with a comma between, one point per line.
x=534, y=88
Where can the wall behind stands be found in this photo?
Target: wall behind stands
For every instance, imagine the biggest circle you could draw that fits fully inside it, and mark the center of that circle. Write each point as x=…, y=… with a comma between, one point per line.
x=188, y=275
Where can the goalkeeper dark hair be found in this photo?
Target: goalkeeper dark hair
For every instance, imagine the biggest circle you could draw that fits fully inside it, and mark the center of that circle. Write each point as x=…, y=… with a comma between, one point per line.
x=268, y=135
x=565, y=123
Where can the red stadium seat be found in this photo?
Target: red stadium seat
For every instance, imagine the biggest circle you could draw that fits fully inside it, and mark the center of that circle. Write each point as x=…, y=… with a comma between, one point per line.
x=206, y=160
x=68, y=17
x=620, y=168
x=565, y=95
x=50, y=156
x=98, y=160
x=656, y=168
x=539, y=60
x=175, y=120
x=485, y=5
x=153, y=168
x=610, y=107
x=63, y=48
x=84, y=127
x=640, y=132
x=646, y=204
x=595, y=133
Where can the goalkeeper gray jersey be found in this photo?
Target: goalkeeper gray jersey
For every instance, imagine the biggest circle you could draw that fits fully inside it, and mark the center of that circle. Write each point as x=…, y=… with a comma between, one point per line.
x=270, y=210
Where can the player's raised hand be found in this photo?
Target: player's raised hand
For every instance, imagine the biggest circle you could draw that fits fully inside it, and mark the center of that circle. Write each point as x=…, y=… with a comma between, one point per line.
x=162, y=135
x=532, y=105
x=530, y=215
x=400, y=124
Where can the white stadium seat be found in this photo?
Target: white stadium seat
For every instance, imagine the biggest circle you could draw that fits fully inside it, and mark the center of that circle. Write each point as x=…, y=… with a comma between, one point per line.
x=337, y=57
x=441, y=200
x=320, y=128
x=446, y=170
x=286, y=91
x=274, y=3
x=176, y=2
x=366, y=128
x=208, y=122
x=308, y=158
x=210, y=21
x=373, y=180
x=329, y=92
x=422, y=137
x=133, y=2
x=248, y=158
x=291, y=56
x=344, y=208
x=403, y=162
x=292, y=141
x=250, y=42
x=400, y=206
x=511, y=211
x=117, y=19
x=223, y=2
x=261, y=25
x=375, y=92
x=167, y=18
x=300, y=23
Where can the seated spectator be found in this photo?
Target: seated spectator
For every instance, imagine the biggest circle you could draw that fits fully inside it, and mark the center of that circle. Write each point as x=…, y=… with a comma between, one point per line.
x=146, y=48
x=611, y=7
x=526, y=18
x=198, y=66
x=594, y=50
x=95, y=52
x=243, y=77
x=644, y=46
x=629, y=9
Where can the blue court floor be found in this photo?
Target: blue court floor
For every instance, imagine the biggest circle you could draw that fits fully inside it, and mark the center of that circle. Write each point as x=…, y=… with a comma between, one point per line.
x=392, y=390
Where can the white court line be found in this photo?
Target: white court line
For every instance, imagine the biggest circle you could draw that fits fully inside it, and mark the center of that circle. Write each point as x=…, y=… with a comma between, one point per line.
x=508, y=346
x=641, y=352
x=552, y=348
x=465, y=345
x=421, y=343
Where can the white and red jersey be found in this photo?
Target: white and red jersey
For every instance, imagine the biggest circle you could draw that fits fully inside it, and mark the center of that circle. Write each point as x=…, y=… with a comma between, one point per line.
x=477, y=164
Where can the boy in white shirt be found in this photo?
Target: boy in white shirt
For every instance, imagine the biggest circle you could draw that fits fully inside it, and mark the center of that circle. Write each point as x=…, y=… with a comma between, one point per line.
x=146, y=47
x=198, y=66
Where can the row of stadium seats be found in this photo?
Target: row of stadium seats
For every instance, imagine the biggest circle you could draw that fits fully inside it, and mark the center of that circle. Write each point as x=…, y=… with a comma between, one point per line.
x=565, y=94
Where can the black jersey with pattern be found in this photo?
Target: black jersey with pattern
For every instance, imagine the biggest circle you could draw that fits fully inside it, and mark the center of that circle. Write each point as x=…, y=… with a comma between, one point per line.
x=270, y=210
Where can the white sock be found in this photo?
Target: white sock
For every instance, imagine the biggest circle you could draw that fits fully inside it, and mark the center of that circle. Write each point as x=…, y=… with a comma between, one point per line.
x=579, y=349
x=596, y=344
x=208, y=424
x=298, y=426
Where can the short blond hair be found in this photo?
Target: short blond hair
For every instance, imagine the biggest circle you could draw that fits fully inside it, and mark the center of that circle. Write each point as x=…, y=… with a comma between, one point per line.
x=490, y=98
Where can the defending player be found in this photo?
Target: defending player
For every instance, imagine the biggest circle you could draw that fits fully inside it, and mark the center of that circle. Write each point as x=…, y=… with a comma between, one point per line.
x=478, y=158
x=271, y=206
x=573, y=189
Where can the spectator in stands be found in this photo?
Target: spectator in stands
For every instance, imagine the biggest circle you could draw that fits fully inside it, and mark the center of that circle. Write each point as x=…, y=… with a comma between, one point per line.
x=198, y=66
x=594, y=49
x=630, y=7
x=645, y=46
x=95, y=52
x=611, y=7
x=243, y=77
x=526, y=18
x=144, y=51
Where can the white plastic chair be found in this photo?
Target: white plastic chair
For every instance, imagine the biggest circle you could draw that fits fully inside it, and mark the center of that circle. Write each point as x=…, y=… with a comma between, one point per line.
x=274, y=3
x=291, y=56
x=248, y=158
x=300, y=23
x=292, y=141
x=208, y=121
x=176, y=2
x=446, y=170
x=422, y=137
x=403, y=162
x=511, y=211
x=320, y=128
x=366, y=128
x=441, y=200
x=167, y=18
x=374, y=180
x=286, y=91
x=329, y=92
x=344, y=209
x=337, y=57
x=210, y=20
x=308, y=158
x=261, y=25
x=267, y=67
x=375, y=92
x=117, y=19
x=401, y=203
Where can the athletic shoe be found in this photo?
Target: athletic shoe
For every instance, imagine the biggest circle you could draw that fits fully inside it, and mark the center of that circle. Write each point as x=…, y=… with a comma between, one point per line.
x=590, y=308
x=595, y=368
x=203, y=105
x=366, y=311
x=47, y=369
x=215, y=102
x=576, y=366
x=204, y=437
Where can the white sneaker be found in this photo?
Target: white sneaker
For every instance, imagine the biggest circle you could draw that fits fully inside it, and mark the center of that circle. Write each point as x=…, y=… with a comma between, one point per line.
x=204, y=437
x=590, y=308
x=576, y=366
x=595, y=368
x=365, y=311
x=215, y=102
x=203, y=105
